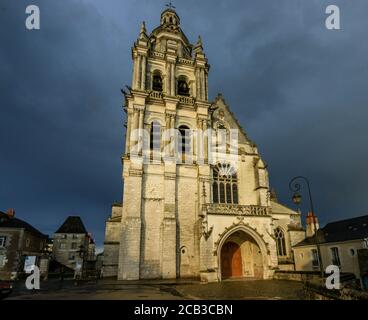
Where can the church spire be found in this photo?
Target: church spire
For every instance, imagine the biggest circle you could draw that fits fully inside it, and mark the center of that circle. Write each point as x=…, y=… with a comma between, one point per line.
x=198, y=48
x=143, y=32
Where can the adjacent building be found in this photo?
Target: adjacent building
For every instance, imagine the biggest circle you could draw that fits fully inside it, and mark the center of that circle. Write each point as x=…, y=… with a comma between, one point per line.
x=21, y=245
x=196, y=199
x=72, y=244
x=342, y=243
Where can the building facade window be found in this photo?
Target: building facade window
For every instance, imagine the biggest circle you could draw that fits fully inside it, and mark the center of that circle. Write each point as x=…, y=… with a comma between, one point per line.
x=315, y=261
x=280, y=242
x=365, y=243
x=155, y=136
x=71, y=256
x=2, y=241
x=74, y=245
x=352, y=252
x=62, y=246
x=184, y=141
x=221, y=139
x=335, y=256
x=224, y=186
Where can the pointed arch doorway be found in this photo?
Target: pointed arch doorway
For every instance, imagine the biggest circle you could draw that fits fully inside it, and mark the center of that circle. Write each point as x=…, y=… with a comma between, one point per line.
x=241, y=257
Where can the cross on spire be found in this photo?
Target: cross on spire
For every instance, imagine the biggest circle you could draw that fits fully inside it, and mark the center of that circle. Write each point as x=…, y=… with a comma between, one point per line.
x=170, y=5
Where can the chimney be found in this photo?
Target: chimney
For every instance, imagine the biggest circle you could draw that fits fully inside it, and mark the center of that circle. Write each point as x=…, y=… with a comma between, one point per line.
x=11, y=213
x=312, y=224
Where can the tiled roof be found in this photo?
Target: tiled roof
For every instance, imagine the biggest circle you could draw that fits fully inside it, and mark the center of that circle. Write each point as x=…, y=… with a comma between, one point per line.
x=338, y=231
x=20, y=224
x=349, y=229
x=73, y=224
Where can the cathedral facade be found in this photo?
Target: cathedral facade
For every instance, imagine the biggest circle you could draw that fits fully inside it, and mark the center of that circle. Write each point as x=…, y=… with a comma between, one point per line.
x=196, y=197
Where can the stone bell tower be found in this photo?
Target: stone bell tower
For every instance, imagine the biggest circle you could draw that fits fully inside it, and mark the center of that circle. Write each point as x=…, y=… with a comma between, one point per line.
x=161, y=199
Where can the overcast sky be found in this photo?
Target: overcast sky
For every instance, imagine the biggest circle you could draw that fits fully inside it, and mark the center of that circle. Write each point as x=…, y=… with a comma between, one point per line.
x=299, y=90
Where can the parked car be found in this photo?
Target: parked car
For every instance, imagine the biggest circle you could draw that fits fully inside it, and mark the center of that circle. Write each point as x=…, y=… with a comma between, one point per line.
x=6, y=289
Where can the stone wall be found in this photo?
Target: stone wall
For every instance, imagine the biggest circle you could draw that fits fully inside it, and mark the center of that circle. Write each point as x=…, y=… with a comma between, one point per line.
x=112, y=243
x=317, y=292
x=296, y=275
x=66, y=248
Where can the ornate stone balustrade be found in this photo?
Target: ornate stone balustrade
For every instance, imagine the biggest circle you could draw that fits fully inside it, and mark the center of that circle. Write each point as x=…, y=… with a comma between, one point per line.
x=186, y=100
x=235, y=209
x=156, y=95
x=155, y=54
x=182, y=99
x=185, y=61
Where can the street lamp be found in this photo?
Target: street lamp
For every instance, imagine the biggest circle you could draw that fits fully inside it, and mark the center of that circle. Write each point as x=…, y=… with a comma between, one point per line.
x=297, y=198
x=295, y=187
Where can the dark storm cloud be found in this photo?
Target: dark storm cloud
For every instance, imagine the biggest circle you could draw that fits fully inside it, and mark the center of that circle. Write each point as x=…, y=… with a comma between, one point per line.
x=298, y=89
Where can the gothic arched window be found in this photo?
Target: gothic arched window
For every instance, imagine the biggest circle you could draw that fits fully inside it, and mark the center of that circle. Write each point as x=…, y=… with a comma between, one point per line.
x=225, y=184
x=157, y=81
x=280, y=242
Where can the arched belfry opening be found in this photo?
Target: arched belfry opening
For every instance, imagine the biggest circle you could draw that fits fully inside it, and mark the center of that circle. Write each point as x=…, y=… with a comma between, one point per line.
x=183, y=88
x=157, y=81
x=241, y=257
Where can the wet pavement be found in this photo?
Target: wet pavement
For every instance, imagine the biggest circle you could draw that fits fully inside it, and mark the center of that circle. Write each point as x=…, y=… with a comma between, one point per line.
x=245, y=290
x=163, y=290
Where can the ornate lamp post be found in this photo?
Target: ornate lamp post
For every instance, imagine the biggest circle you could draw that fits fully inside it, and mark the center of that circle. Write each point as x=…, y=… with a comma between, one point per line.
x=295, y=187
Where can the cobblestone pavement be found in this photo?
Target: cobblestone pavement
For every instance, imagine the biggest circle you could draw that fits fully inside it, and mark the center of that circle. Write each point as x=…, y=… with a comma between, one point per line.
x=100, y=292
x=156, y=290
x=245, y=290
